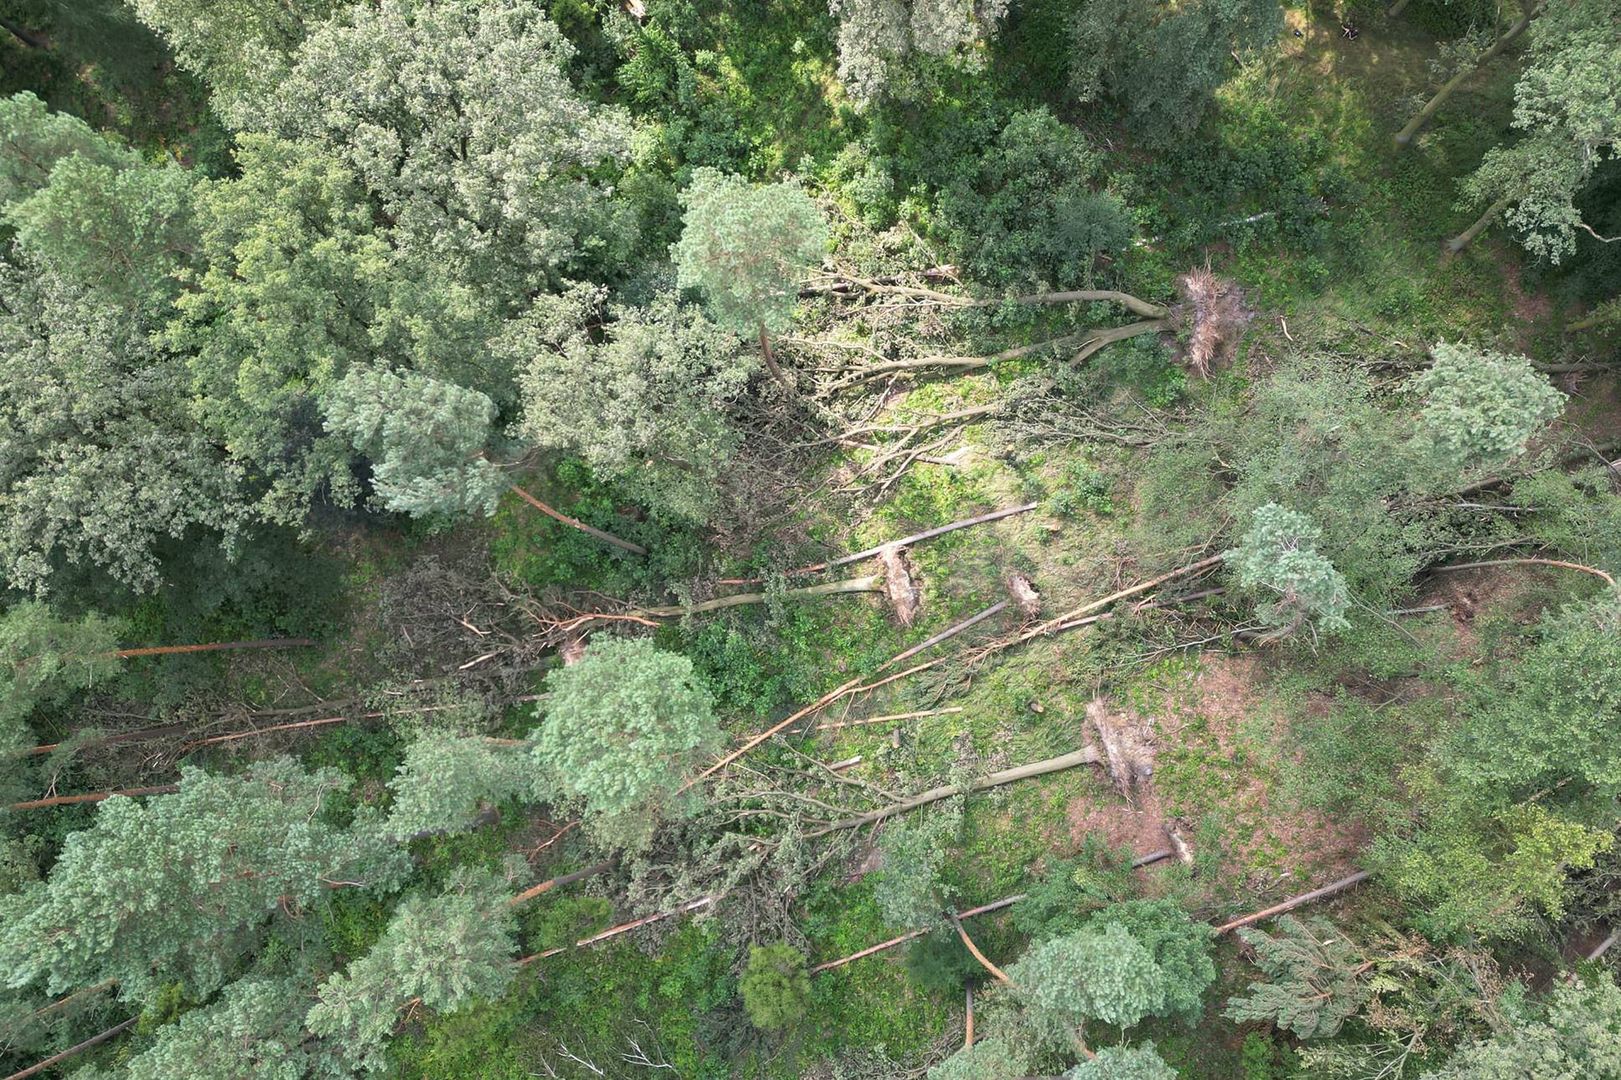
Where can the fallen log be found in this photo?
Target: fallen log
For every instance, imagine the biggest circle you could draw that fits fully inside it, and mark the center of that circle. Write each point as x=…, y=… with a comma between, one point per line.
x=213, y=646
x=94, y=796
x=575, y=523
x=1595, y=571
x=945, y=635
x=94, y=1040
x=1289, y=905
x=870, y=583
x=1086, y=756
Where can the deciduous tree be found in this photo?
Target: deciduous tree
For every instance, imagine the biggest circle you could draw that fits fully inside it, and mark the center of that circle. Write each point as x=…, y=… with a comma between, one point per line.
x=1579, y=1036
x=880, y=40
x=643, y=398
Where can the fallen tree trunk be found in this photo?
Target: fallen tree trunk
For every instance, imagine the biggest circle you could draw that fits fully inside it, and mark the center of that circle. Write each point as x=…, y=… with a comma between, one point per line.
x=1595, y=571
x=94, y=796
x=55, y=1059
x=1289, y=905
x=562, y=879
x=1405, y=135
x=1087, y=756
x=871, y=583
x=216, y=646
x=575, y=523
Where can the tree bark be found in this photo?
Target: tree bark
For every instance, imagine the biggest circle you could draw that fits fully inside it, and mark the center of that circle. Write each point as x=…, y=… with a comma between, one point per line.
x=1405, y=135
x=771, y=363
x=984, y=961
x=1087, y=756
x=26, y=37
x=1463, y=239
x=563, y=879
x=870, y=583
x=1100, y=338
x=217, y=646
x=574, y=523
x=94, y=1040
x=1595, y=571
x=94, y=796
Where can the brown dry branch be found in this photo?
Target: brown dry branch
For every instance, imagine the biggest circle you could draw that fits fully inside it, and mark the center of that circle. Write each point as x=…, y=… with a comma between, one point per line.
x=1595, y=571
x=968, y=942
x=1213, y=312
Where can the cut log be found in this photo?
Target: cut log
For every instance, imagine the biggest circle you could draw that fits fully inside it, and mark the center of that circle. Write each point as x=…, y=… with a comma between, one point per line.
x=1179, y=843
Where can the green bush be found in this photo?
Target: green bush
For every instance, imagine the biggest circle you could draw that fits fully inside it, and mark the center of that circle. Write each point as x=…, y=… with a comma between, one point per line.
x=775, y=986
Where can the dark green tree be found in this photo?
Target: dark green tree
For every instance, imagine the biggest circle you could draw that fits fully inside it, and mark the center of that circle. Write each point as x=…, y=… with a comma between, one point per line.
x=775, y=986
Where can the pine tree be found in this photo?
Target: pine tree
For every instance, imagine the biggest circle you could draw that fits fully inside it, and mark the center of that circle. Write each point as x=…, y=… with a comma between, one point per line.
x=775, y=986
x=1124, y=1063
x=1568, y=103
x=988, y=1059
x=1278, y=556
x=745, y=247
x=1579, y=1036
x=909, y=892
x=255, y=1028
x=1481, y=407
x=425, y=438
x=178, y=887
x=43, y=659
x=34, y=140
x=620, y=730
x=444, y=950
x=1312, y=979
x=445, y=780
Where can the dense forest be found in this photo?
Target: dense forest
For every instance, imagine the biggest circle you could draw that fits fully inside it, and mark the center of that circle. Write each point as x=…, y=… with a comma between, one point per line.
x=847, y=539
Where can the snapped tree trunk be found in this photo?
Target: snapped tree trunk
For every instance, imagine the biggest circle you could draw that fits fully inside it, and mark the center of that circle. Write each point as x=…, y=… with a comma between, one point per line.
x=1405, y=135
x=573, y=523
x=771, y=361
x=1465, y=238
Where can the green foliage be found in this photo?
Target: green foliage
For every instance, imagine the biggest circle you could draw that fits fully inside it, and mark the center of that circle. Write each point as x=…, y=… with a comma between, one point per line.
x=987, y=1059
x=1568, y=103
x=178, y=887
x=908, y=890
x=1062, y=900
x=1027, y=210
x=775, y=986
x=446, y=950
x=426, y=440
x=462, y=124
x=1179, y=947
x=43, y=659
x=620, y=731
x=882, y=41
x=445, y=780
x=1481, y=407
x=34, y=140
x=1124, y=1063
x=1550, y=723
x=1579, y=1036
x=1096, y=974
x=1312, y=981
x=1491, y=873
x=239, y=47
x=255, y=1028
x=1278, y=556
x=1162, y=67
x=101, y=461
x=745, y=247
x=119, y=229
x=643, y=401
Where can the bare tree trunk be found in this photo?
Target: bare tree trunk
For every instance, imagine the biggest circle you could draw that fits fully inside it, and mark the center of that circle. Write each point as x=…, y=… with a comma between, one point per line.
x=27, y=37
x=1087, y=756
x=871, y=583
x=564, y=879
x=1405, y=135
x=217, y=646
x=94, y=796
x=1463, y=239
x=94, y=1040
x=576, y=524
x=1100, y=338
x=771, y=362
x=1294, y=902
